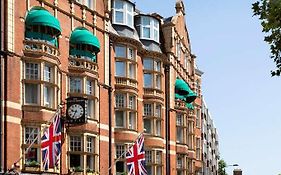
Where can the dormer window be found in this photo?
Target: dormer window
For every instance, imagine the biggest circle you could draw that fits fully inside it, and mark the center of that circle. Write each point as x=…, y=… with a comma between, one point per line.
x=149, y=28
x=123, y=13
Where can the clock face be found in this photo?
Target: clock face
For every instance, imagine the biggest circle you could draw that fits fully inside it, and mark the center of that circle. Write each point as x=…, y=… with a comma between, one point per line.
x=75, y=111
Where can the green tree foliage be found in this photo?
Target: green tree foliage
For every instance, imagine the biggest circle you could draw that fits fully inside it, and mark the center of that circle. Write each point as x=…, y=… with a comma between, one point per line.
x=269, y=13
x=222, y=166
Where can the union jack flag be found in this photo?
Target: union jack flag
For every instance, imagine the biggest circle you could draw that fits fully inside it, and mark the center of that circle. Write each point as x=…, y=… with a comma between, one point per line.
x=51, y=143
x=135, y=158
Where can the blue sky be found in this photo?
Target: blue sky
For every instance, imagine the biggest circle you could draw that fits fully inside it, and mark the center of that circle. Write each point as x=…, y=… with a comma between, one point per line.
x=243, y=98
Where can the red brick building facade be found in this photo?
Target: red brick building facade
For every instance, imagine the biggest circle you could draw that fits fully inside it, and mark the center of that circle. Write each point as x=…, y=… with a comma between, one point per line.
x=128, y=72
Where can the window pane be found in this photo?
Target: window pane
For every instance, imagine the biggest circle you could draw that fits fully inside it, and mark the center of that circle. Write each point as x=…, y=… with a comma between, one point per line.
x=148, y=64
x=75, y=143
x=147, y=110
x=90, y=163
x=158, y=127
x=120, y=166
x=158, y=81
x=120, y=100
x=149, y=169
x=118, y=5
x=119, y=16
x=131, y=54
x=132, y=70
x=158, y=111
x=90, y=109
x=147, y=80
x=32, y=71
x=132, y=120
x=148, y=156
x=130, y=19
x=159, y=170
x=132, y=102
x=75, y=160
x=158, y=157
x=75, y=84
x=47, y=73
x=90, y=144
x=157, y=66
x=31, y=155
x=48, y=96
x=89, y=87
x=120, y=51
x=89, y=3
x=30, y=135
x=146, y=21
x=180, y=134
x=31, y=93
x=120, y=69
x=147, y=125
x=156, y=35
x=146, y=32
x=119, y=119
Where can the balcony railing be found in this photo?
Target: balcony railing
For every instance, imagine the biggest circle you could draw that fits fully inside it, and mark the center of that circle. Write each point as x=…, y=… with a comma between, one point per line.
x=41, y=47
x=153, y=92
x=126, y=82
x=83, y=64
x=179, y=104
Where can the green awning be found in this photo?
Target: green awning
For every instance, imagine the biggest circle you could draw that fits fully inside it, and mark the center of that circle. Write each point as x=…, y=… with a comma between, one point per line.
x=189, y=106
x=180, y=97
x=183, y=89
x=83, y=36
x=40, y=16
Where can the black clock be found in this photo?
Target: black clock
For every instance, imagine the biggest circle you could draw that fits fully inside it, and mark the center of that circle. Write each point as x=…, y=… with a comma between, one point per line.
x=76, y=110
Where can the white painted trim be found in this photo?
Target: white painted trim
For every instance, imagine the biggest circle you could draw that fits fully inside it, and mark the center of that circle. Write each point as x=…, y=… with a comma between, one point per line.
x=14, y=120
x=13, y=105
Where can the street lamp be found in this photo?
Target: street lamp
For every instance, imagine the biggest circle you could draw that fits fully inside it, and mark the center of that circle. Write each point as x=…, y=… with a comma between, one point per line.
x=232, y=165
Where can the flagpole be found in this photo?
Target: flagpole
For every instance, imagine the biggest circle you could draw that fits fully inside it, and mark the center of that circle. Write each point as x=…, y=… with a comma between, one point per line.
x=125, y=151
x=36, y=138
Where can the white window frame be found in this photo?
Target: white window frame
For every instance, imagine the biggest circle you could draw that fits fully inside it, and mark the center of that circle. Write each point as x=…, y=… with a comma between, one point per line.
x=32, y=67
x=125, y=11
x=153, y=28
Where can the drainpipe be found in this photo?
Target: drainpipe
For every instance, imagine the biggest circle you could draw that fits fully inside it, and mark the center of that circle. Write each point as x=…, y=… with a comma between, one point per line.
x=1, y=84
x=167, y=117
x=109, y=110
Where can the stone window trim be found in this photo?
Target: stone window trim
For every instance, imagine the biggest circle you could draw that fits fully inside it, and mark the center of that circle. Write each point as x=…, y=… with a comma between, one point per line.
x=154, y=159
x=93, y=96
x=128, y=58
x=154, y=119
x=126, y=104
x=182, y=168
x=39, y=81
x=155, y=71
x=127, y=11
x=182, y=126
x=83, y=151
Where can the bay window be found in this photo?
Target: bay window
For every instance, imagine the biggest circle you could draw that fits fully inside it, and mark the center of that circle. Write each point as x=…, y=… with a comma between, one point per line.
x=89, y=87
x=125, y=110
x=125, y=61
x=154, y=162
x=75, y=84
x=181, y=123
x=123, y=13
x=182, y=164
x=152, y=73
x=37, y=85
x=152, y=118
x=120, y=150
x=82, y=152
x=31, y=134
x=149, y=28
